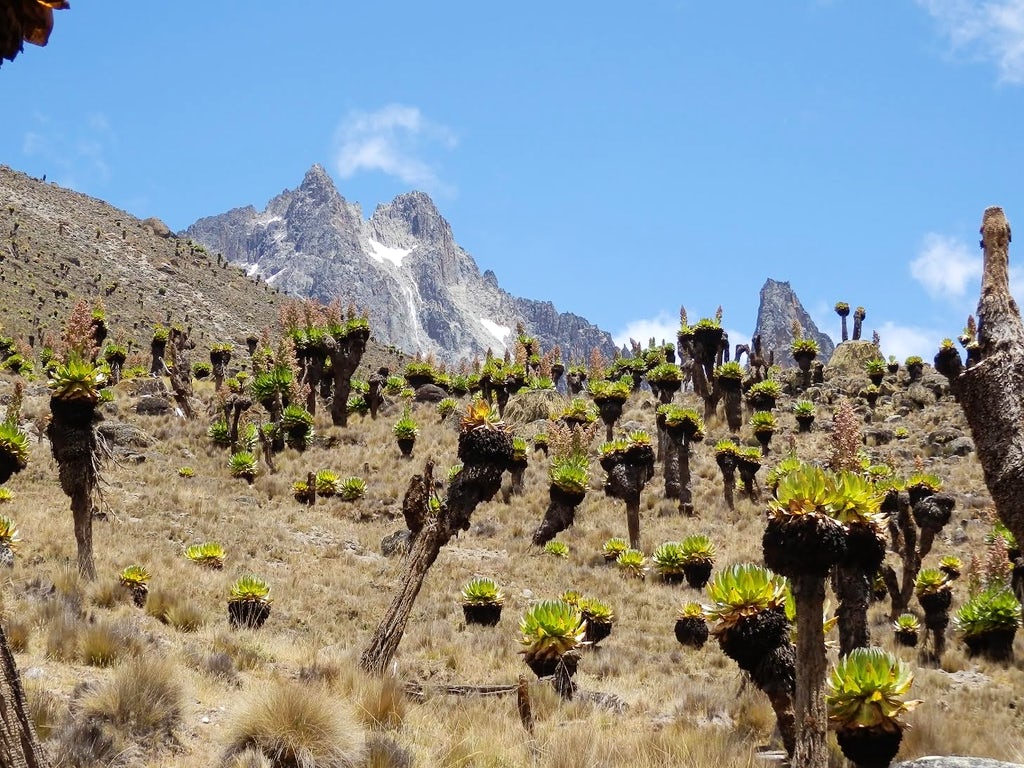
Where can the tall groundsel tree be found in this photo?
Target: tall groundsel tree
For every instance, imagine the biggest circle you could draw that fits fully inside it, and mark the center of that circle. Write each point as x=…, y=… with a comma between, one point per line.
x=804, y=542
x=74, y=398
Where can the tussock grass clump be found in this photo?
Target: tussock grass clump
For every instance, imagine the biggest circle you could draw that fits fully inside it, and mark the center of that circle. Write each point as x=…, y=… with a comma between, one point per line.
x=102, y=643
x=135, y=711
x=62, y=635
x=169, y=606
x=46, y=710
x=17, y=631
x=297, y=726
x=142, y=698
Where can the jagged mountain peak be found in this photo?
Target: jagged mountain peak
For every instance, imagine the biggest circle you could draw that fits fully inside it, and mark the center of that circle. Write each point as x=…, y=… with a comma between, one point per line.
x=778, y=308
x=411, y=216
x=424, y=292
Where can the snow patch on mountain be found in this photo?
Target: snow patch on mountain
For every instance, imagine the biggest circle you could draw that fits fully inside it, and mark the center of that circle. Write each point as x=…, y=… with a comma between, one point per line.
x=500, y=332
x=383, y=253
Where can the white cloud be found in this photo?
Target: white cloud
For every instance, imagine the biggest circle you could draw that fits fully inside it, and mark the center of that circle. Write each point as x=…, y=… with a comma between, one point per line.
x=391, y=141
x=990, y=30
x=661, y=326
x=906, y=340
x=946, y=266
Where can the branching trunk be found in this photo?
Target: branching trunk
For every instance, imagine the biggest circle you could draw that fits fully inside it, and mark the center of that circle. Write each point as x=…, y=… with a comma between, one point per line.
x=345, y=356
x=473, y=485
x=180, y=371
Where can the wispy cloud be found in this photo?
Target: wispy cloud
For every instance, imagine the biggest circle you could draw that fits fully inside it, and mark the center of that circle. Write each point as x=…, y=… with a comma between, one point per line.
x=989, y=30
x=74, y=152
x=946, y=266
x=902, y=341
x=393, y=140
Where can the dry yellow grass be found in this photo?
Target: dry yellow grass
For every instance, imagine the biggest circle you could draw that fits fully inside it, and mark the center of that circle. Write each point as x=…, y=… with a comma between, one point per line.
x=330, y=585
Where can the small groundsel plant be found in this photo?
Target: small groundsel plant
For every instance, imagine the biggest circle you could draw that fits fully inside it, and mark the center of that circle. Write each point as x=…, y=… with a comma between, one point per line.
x=994, y=609
x=352, y=489
x=219, y=433
x=249, y=602
x=406, y=427
x=557, y=548
x=803, y=408
x=209, y=554
x=186, y=472
x=6, y=495
x=242, y=465
x=328, y=483
x=632, y=563
x=482, y=591
x=669, y=561
x=865, y=702
x=447, y=407
x=135, y=578
x=906, y=622
x=548, y=631
x=614, y=547
x=763, y=421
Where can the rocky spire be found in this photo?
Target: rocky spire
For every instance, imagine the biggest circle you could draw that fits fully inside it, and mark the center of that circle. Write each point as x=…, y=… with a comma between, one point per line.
x=778, y=309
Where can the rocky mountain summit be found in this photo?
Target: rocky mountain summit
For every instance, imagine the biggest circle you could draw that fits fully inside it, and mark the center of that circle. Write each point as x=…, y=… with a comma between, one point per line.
x=778, y=309
x=423, y=291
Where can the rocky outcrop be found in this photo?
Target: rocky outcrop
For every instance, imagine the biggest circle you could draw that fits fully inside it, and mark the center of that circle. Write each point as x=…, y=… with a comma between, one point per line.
x=778, y=308
x=424, y=292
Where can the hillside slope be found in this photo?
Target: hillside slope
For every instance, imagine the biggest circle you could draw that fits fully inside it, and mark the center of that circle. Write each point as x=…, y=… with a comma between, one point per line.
x=57, y=245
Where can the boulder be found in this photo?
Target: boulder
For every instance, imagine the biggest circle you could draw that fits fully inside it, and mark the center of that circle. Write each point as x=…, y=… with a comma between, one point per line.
x=152, y=405
x=123, y=435
x=430, y=393
x=849, y=358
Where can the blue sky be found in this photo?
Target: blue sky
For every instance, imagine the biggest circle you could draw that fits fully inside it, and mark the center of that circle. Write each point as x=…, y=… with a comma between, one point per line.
x=618, y=162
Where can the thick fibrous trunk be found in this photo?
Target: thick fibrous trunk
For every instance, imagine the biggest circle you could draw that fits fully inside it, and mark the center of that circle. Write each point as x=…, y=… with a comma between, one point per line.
x=670, y=468
x=809, y=700
x=314, y=371
x=74, y=446
x=560, y=514
x=853, y=588
x=219, y=360
x=19, y=747
x=991, y=392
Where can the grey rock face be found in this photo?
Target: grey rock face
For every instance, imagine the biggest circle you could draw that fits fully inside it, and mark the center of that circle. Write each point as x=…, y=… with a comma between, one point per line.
x=778, y=308
x=424, y=292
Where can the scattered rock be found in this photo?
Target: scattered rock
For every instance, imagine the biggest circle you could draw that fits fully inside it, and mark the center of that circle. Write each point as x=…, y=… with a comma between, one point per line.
x=961, y=446
x=396, y=543
x=151, y=405
x=430, y=393
x=120, y=434
x=157, y=227
x=148, y=386
x=920, y=396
